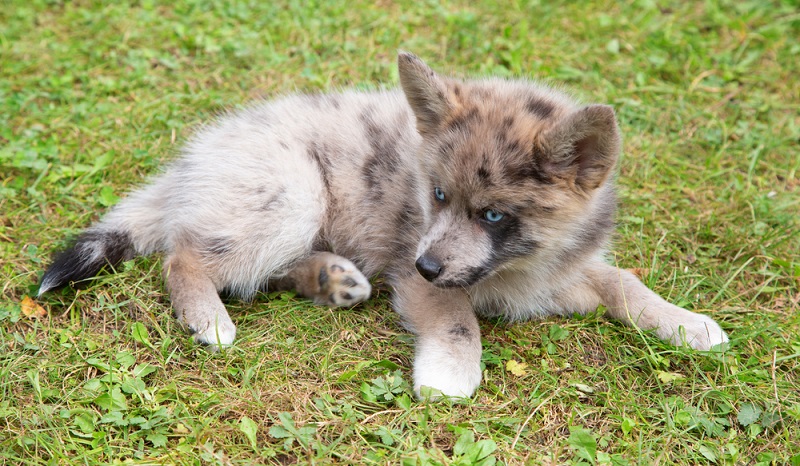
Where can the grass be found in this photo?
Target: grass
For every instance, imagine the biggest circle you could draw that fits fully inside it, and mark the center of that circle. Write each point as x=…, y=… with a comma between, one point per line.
x=96, y=95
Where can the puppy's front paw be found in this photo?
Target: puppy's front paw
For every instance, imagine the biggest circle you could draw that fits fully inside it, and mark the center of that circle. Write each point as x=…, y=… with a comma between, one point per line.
x=438, y=373
x=341, y=283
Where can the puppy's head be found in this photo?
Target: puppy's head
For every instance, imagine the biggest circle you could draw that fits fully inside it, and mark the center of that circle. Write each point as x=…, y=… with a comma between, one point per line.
x=516, y=172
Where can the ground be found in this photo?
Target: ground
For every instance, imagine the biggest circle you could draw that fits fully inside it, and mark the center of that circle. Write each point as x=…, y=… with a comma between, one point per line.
x=94, y=96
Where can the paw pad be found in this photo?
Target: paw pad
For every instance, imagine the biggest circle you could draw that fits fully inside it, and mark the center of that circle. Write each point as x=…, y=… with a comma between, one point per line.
x=342, y=284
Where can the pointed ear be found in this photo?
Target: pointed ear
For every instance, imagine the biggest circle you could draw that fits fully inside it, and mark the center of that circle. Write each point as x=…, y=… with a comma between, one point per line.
x=425, y=91
x=584, y=146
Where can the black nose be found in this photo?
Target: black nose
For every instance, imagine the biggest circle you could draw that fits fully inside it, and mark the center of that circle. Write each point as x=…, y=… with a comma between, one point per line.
x=429, y=267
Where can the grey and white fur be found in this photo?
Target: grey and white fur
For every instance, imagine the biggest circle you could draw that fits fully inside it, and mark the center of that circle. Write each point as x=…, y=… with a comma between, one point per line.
x=471, y=197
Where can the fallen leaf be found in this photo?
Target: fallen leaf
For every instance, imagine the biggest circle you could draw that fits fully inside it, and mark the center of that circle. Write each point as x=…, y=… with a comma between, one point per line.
x=639, y=272
x=669, y=377
x=517, y=368
x=31, y=308
x=583, y=388
x=180, y=429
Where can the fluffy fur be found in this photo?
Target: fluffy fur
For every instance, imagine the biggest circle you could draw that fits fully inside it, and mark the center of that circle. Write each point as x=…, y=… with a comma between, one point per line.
x=491, y=197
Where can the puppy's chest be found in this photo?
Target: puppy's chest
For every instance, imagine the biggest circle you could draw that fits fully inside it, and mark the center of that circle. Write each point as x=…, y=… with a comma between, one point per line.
x=513, y=298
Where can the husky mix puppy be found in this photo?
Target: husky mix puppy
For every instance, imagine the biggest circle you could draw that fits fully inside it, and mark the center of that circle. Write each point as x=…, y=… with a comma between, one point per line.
x=488, y=197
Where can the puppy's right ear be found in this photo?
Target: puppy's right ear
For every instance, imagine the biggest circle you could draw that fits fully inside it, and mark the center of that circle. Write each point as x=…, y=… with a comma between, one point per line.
x=425, y=91
x=584, y=146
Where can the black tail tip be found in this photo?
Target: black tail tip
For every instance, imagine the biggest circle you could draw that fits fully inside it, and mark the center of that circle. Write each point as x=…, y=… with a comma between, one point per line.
x=91, y=252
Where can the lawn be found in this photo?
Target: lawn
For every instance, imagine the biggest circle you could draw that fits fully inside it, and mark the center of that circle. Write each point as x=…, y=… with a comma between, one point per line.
x=94, y=96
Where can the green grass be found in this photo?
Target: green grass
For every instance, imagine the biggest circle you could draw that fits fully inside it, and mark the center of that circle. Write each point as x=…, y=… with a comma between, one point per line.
x=96, y=95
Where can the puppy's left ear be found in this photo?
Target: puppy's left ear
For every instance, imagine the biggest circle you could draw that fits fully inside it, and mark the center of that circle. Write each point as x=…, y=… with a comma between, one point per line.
x=425, y=91
x=584, y=146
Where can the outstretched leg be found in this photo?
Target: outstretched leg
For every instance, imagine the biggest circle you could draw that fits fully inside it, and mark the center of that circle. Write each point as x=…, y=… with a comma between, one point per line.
x=448, y=346
x=630, y=301
x=328, y=279
x=196, y=301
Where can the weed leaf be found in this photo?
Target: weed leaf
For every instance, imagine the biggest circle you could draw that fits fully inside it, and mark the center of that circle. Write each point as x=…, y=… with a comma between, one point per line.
x=249, y=428
x=139, y=334
x=749, y=414
x=583, y=442
x=157, y=439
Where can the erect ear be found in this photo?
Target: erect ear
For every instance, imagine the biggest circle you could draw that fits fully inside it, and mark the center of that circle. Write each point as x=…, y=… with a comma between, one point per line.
x=583, y=146
x=425, y=91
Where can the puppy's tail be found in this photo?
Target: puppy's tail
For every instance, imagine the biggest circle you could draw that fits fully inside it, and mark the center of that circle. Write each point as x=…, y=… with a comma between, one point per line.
x=133, y=227
x=93, y=249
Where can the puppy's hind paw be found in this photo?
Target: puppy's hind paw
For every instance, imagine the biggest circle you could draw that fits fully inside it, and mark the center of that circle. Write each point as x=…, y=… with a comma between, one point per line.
x=341, y=283
x=217, y=335
x=699, y=332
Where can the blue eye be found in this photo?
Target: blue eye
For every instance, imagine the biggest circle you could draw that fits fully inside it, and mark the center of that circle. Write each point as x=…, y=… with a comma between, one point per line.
x=438, y=193
x=492, y=216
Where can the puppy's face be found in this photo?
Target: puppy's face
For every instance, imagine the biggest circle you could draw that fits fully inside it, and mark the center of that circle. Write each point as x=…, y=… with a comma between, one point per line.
x=513, y=169
x=491, y=203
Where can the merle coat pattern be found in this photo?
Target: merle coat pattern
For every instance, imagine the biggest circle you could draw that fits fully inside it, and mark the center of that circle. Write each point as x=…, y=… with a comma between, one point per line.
x=490, y=197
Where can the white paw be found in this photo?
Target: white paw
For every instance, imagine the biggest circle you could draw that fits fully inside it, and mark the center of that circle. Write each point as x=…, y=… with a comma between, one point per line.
x=218, y=334
x=343, y=284
x=437, y=372
x=698, y=331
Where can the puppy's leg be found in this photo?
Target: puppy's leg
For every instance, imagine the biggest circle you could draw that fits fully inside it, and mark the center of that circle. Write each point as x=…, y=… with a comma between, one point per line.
x=196, y=301
x=448, y=346
x=628, y=300
x=327, y=279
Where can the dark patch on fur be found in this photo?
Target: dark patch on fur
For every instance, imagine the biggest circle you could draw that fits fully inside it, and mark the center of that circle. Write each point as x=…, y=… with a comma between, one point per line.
x=461, y=121
x=483, y=171
x=539, y=107
x=514, y=147
x=385, y=157
x=270, y=203
x=541, y=169
x=406, y=219
x=372, y=173
x=347, y=296
x=283, y=145
x=507, y=239
x=460, y=331
x=472, y=275
x=218, y=246
x=533, y=166
x=467, y=277
x=446, y=148
x=524, y=172
x=76, y=263
x=407, y=224
x=316, y=154
x=331, y=298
